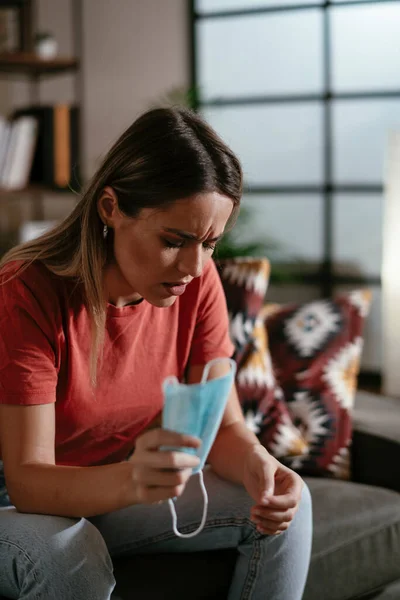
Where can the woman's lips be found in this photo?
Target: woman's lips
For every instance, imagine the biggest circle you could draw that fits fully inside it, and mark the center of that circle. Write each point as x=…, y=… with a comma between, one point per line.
x=175, y=289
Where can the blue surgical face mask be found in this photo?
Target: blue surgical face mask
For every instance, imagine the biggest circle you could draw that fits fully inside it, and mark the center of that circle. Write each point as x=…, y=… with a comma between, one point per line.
x=197, y=409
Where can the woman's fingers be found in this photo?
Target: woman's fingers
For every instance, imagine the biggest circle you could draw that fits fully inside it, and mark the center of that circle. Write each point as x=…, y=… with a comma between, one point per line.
x=167, y=460
x=271, y=527
x=160, y=470
x=153, y=439
x=155, y=495
x=153, y=478
x=276, y=516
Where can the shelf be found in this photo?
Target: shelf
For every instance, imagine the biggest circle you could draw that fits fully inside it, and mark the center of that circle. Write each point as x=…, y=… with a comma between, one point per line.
x=21, y=63
x=34, y=190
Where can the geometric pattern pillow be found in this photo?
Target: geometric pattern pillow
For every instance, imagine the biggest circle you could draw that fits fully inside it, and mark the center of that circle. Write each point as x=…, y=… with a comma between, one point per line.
x=245, y=282
x=315, y=351
x=262, y=400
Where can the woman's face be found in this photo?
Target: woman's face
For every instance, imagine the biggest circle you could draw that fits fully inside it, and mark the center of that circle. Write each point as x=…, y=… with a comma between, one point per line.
x=159, y=252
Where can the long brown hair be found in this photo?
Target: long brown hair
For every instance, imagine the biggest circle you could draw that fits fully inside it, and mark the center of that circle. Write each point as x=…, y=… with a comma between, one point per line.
x=165, y=155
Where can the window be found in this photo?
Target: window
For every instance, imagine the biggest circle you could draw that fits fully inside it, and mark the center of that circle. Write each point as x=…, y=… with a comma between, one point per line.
x=306, y=101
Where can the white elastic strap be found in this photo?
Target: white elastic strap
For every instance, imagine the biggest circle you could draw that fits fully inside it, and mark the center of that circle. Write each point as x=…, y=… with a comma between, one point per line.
x=213, y=362
x=203, y=519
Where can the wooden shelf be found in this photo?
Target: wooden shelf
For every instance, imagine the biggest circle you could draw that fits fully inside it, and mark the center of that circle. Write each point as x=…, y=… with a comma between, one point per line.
x=34, y=190
x=21, y=63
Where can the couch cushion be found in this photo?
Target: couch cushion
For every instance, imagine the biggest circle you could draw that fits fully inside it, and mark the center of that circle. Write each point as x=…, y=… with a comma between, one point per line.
x=356, y=542
x=376, y=441
x=245, y=281
x=316, y=349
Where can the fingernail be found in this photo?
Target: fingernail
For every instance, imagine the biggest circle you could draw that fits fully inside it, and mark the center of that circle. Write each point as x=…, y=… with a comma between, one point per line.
x=260, y=530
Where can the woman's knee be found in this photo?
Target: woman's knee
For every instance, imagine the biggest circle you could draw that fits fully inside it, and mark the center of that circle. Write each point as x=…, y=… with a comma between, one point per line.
x=64, y=557
x=302, y=522
x=79, y=556
x=305, y=506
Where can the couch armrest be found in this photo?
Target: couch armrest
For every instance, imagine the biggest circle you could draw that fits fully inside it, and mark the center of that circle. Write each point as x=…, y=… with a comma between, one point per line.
x=376, y=441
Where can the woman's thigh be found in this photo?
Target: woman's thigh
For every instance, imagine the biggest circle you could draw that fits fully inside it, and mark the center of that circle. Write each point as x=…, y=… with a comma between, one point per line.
x=148, y=528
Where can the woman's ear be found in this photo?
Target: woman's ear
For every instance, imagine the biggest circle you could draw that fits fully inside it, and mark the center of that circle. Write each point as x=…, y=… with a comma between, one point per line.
x=107, y=205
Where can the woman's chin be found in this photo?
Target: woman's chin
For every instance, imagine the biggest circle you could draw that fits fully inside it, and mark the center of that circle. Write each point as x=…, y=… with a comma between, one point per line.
x=162, y=302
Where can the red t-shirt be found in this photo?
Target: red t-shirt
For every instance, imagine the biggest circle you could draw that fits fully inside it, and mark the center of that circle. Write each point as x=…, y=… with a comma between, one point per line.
x=45, y=348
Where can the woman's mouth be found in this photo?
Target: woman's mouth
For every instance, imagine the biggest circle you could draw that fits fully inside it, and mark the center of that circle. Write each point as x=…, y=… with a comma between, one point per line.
x=175, y=288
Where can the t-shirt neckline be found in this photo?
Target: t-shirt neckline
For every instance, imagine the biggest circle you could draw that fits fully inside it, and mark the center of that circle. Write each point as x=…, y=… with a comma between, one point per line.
x=125, y=311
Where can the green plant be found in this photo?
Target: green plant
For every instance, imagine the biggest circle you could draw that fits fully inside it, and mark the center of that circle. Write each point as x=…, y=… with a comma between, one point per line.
x=231, y=245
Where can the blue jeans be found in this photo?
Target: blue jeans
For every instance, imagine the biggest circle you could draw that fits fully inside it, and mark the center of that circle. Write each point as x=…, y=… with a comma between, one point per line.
x=48, y=557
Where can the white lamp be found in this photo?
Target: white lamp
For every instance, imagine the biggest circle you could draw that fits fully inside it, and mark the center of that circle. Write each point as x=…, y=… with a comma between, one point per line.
x=391, y=269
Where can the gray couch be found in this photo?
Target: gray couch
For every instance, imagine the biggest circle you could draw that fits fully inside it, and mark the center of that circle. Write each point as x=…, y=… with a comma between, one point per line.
x=356, y=546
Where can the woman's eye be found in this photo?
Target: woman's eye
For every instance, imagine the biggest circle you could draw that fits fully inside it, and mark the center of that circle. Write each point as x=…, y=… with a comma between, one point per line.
x=208, y=246
x=170, y=244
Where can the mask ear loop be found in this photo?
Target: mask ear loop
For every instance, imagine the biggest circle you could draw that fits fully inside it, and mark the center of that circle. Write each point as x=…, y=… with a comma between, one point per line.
x=203, y=518
x=213, y=362
x=201, y=478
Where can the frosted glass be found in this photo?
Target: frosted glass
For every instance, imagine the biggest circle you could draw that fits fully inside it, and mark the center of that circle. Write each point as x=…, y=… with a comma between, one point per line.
x=371, y=359
x=210, y=6
x=291, y=223
x=357, y=230
x=358, y=64
x=278, y=145
x=263, y=54
x=360, y=130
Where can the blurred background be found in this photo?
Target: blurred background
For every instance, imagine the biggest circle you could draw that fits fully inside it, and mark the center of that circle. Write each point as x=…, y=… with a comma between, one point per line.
x=307, y=93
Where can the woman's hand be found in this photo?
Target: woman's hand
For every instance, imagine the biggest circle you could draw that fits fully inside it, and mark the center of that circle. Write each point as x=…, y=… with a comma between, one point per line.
x=276, y=490
x=160, y=474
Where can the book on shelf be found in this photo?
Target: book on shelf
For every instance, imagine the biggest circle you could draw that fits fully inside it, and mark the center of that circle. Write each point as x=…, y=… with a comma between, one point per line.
x=17, y=149
x=40, y=145
x=9, y=29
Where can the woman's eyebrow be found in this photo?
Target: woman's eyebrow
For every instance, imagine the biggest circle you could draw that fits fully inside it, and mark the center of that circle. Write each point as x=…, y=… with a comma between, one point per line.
x=190, y=236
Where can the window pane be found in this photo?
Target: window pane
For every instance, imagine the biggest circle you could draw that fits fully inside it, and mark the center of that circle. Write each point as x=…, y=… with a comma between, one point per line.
x=293, y=293
x=343, y=1
x=278, y=145
x=210, y=6
x=371, y=359
x=263, y=54
x=360, y=130
x=369, y=61
x=290, y=226
x=357, y=250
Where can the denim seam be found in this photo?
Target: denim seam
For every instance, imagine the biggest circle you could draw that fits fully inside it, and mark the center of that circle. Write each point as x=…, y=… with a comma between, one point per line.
x=252, y=571
x=236, y=522
x=360, y=536
x=25, y=555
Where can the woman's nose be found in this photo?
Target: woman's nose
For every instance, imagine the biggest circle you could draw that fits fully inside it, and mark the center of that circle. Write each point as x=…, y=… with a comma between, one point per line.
x=191, y=261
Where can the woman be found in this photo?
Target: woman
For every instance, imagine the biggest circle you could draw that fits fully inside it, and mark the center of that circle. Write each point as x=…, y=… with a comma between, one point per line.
x=94, y=315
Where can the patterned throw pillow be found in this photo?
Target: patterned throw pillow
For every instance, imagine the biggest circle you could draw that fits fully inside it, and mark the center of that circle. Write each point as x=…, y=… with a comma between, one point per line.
x=316, y=351
x=245, y=281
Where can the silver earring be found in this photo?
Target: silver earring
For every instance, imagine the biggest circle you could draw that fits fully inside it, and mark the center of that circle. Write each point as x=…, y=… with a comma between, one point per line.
x=105, y=231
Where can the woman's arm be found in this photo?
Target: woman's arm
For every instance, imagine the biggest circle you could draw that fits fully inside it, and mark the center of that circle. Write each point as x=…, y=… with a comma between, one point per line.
x=37, y=485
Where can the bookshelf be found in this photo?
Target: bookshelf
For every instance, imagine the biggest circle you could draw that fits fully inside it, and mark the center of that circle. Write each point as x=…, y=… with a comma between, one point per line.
x=24, y=64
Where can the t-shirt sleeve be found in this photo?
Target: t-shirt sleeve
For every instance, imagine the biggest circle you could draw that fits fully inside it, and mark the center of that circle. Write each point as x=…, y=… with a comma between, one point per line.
x=211, y=334
x=28, y=339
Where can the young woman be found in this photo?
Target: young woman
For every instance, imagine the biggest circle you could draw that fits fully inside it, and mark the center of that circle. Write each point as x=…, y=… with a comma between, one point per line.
x=94, y=315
